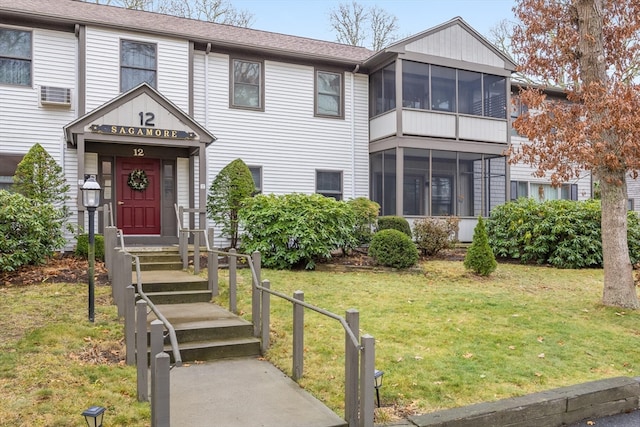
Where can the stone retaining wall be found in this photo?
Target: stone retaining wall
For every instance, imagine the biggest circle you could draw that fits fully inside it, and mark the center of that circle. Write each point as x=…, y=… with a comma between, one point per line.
x=550, y=408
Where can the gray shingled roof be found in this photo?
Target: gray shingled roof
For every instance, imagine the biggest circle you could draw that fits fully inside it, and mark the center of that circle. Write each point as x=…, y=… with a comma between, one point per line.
x=73, y=11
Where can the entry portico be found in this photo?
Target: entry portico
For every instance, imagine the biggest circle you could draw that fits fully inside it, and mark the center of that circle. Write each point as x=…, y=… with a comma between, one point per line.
x=147, y=154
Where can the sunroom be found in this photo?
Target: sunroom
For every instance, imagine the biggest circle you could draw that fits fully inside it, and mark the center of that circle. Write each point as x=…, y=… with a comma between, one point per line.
x=439, y=126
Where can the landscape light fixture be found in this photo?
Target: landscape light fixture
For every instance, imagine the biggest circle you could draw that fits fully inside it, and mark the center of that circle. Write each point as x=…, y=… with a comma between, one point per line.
x=377, y=378
x=93, y=416
x=91, y=200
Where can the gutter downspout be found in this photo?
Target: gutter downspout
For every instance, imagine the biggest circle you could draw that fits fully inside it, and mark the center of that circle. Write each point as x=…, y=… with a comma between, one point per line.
x=353, y=130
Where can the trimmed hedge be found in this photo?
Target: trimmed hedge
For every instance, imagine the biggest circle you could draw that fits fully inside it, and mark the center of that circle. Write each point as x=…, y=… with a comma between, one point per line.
x=562, y=233
x=393, y=248
x=391, y=222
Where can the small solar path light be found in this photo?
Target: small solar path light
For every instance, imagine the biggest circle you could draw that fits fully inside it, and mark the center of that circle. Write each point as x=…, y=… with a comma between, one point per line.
x=93, y=416
x=91, y=200
x=377, y=377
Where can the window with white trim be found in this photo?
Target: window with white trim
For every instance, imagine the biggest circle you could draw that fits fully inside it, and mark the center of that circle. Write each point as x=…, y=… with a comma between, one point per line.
x=138, y=63
x=543, y=191
x=15, y=57
x=328, y=94
x=256, y=173
x=329, y=183
x=246, y=84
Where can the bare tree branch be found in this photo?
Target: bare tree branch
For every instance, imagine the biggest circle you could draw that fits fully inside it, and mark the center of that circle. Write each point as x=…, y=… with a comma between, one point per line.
x=383, y=27
x=348, y=21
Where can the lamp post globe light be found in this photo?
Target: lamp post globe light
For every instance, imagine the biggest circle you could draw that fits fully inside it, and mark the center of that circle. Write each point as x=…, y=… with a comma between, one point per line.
x=91, y=200
x=93, y=416
x=377, y=378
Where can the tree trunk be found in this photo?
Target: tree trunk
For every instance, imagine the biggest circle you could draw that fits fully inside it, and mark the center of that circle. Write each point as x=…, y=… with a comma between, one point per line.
x=619, y=287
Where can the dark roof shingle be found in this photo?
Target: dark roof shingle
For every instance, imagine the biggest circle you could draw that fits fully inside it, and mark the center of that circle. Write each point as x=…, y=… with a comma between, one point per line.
x=74, y=11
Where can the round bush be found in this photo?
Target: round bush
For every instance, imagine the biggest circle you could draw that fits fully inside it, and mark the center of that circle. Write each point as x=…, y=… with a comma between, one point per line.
x=391, y=222
x=393, y=248
x=82, y=247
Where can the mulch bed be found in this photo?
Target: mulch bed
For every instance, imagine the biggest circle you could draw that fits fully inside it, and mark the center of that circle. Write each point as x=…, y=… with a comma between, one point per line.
x=60, y=268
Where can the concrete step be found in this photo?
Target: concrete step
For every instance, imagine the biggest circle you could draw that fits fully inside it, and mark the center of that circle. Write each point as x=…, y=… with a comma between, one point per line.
x=194, y=285
x=218, y=349
x=159, y=266
x=152, y=257
x=180, y=297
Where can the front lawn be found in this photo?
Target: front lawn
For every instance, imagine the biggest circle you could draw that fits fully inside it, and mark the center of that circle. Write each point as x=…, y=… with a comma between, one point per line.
x=447, y=338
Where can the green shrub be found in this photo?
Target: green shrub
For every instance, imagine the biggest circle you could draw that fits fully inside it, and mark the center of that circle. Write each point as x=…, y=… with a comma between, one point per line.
x=393, y=248
x=30, y=230
x=82, y=246
x=435, y=234
x=295, y=229
x=366, y=211
x=391, y=222
x=563, y=233
x=228, y=191
x=479, y=257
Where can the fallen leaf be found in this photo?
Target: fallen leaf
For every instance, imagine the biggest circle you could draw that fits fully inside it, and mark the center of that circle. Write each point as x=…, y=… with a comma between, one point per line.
x=540, y=339
x=591, y=423
x=512, y=347
x=468, y=355
x=418, y=357
x=541, y=355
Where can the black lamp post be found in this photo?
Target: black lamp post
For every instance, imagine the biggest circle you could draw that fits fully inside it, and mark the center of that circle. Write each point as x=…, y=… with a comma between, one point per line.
x=91, y=200
x=93, y=416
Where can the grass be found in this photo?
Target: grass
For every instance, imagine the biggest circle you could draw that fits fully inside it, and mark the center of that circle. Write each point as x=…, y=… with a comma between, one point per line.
x=54, y=363
x=446, y=338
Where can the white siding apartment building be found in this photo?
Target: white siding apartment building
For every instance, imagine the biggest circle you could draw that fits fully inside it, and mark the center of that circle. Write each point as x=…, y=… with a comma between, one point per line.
x=420, y=127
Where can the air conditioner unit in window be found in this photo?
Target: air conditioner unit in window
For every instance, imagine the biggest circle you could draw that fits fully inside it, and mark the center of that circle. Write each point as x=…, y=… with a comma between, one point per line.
x=50, y=95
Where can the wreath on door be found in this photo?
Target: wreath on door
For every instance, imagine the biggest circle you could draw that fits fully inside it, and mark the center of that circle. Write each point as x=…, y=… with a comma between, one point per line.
x=138, y=180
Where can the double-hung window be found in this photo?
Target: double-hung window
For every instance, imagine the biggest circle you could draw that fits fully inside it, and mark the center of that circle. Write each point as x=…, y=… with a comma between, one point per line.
x=256, y=174
x=15, y=57
x=138, y=63
x=247, y=84
x=328, y=94
x=329, y=184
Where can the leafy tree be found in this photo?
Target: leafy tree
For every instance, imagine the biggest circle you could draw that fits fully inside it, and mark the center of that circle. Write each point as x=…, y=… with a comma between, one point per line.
x=39, y=177
x=218, y=11
x=590, y=48
x=480, y=258
x=354, y=25
x=228, y=191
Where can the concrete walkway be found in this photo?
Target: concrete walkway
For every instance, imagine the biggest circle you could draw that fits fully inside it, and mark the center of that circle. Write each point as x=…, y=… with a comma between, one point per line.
x=243, y=392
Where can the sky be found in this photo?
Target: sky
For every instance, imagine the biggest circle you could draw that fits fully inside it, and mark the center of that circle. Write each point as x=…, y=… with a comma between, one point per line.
x=310, y=18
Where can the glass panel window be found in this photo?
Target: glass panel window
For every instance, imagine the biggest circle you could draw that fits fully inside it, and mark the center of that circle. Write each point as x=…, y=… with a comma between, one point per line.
x=8, y=166
x=443, y=183
x=517, y=109
x=383, y=180
x=382, y=87
x=470, y=184
x=256, y=173
x=138, y=64
x=415, y=85
x=443, y=89
x=496, y=185
x=15, y=57
x=329, y=94
x=416, y=176
x=469, y=93
x=495, y=96
x=329, y=184
x=247, y=84
x=519, y=189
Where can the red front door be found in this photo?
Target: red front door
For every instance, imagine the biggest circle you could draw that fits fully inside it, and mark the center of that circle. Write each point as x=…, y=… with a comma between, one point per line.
x=138, y=195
